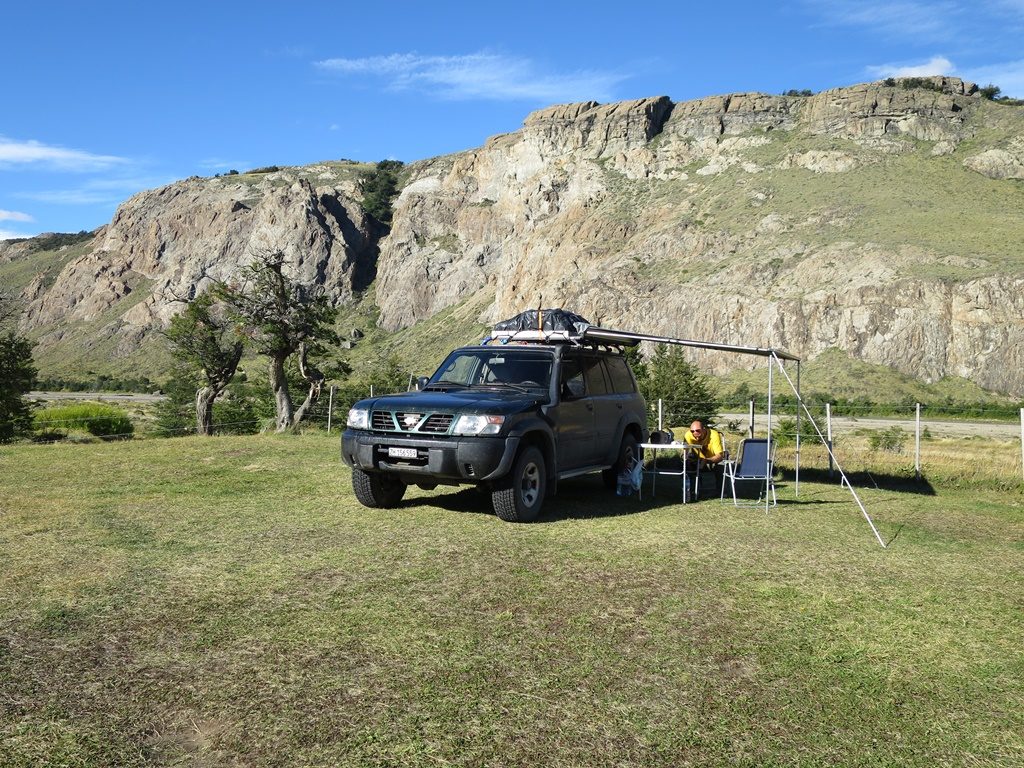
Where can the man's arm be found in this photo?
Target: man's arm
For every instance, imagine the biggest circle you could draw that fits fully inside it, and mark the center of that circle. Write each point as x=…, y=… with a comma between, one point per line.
x=715, y=448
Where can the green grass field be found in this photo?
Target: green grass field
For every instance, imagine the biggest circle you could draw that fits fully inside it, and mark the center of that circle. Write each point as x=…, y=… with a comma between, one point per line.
x=227, y=602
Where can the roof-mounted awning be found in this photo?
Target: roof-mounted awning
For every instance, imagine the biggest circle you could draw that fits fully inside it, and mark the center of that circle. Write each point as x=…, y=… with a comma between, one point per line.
x=630, y=339
x=554, y=326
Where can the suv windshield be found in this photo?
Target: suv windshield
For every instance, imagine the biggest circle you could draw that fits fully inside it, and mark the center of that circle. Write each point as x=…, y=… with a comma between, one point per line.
x=520, y=369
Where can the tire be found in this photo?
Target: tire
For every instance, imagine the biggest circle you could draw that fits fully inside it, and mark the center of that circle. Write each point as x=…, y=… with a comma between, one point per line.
x=627, y=451
x=377, y=490
x=519, y=496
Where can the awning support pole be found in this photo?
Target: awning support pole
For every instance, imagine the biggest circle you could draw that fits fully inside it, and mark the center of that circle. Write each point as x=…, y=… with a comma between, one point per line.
x=797, y=489
x=768, y=453
x=828, y=447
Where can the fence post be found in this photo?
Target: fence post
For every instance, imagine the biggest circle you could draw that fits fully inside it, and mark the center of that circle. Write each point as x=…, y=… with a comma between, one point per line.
x=751, y=418
x=917, y=444
x=828, y=432
x=371, y=390
x=330, y=408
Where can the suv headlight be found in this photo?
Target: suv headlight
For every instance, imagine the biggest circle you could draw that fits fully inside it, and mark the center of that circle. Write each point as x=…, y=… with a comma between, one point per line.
x=359, y=418
x=478, y=424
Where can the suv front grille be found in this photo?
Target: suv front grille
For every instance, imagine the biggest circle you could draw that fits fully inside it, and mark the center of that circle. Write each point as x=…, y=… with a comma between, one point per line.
x=383, y=421
x=437, y=423
x=411, y=422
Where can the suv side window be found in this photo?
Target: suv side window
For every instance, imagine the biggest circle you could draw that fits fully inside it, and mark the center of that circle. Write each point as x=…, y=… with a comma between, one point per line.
x=571, y=383
x=594, y=374
x=622, y=381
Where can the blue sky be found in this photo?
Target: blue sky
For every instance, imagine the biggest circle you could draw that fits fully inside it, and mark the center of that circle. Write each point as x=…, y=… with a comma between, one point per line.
x=100, y=100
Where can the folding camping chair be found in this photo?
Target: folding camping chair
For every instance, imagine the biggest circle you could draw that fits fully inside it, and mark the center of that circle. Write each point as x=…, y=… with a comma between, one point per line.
x=754, y=466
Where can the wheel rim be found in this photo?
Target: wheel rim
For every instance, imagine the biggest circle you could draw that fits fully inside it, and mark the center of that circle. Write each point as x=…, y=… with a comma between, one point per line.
x=529, y=485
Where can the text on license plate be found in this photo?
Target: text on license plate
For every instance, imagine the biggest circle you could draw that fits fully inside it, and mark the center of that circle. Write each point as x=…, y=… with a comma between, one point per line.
x=401, y=453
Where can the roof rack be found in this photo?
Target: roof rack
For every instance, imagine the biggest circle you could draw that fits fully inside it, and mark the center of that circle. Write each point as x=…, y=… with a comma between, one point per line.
x=534, y=337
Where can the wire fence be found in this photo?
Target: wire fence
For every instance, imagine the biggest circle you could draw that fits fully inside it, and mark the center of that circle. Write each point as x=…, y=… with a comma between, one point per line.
x=947, y=443
x=918, y=441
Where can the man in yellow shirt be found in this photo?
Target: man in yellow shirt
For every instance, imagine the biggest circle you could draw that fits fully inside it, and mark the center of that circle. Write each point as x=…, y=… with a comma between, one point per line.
x=710, y=451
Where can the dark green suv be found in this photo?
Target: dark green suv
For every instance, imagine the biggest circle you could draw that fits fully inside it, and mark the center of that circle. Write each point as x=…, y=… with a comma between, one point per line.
x=513, y=419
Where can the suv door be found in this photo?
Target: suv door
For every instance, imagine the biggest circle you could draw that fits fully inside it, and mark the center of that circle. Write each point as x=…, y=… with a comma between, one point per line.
x=607, y=407
x=575, y=415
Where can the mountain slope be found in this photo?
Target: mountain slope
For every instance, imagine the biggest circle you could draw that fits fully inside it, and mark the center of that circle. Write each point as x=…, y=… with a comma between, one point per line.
x=879, y=219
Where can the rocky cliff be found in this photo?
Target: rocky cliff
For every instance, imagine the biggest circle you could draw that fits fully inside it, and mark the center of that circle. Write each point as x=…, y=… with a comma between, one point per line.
x=880, y=219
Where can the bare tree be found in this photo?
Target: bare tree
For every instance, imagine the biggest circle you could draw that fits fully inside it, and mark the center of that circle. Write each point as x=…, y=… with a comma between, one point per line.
x=283, y=317
x=206, y=339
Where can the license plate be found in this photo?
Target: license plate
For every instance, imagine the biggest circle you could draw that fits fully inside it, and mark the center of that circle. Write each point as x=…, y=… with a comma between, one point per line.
x=401, y=453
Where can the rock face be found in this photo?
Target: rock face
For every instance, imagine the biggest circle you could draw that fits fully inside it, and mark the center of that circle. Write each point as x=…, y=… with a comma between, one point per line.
x=842, y=219
x=1005, y=163
x=170, y=243
x=612, y=211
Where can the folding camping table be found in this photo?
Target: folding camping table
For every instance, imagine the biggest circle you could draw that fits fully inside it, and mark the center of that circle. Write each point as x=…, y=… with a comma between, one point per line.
x=654, y=471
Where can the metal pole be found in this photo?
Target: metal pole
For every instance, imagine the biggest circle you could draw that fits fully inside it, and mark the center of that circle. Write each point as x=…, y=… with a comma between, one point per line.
x=330, y=409
x=842, y=474
x=828, y=426
x=371, y=390
x=1022, y=441
x=917, y=444
x=659, y=416
x=751, y=418
x=797, y=481
x=768, y=453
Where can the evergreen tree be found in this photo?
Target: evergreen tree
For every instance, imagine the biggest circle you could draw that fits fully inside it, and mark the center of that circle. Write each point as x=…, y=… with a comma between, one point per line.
x=17, y=374
x=687, y=393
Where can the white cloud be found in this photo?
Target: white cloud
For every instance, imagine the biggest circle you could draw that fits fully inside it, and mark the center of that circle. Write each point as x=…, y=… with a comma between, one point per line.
x=14, y=216
x=34, y=153
x=907, y=18
x=936, y=65
x=97, y=191
x=10, y=234
x=478, y=76
x=1009, y=76
x=219, y=163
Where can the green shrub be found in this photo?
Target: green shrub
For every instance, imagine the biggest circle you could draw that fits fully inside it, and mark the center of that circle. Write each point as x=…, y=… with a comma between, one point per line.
x=97, y=419
x=891, y=440
x=785, y=432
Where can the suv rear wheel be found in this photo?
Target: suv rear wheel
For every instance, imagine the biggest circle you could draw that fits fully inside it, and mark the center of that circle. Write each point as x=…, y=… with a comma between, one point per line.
x=519, y=496
x=628, y=451
x=375, y=489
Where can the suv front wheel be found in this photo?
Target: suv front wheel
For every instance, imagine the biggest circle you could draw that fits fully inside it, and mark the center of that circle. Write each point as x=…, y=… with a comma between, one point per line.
x=375, y=489
x=517, y=498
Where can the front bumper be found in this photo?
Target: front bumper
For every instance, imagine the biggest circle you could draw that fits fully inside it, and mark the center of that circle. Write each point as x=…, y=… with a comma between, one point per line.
x=452, y=459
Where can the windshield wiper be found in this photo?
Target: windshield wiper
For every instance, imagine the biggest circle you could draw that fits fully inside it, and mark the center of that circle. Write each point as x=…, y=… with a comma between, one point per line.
x=505, y=385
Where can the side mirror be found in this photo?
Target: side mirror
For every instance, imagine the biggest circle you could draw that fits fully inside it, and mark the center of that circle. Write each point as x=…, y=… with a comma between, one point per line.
x=421, y=382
